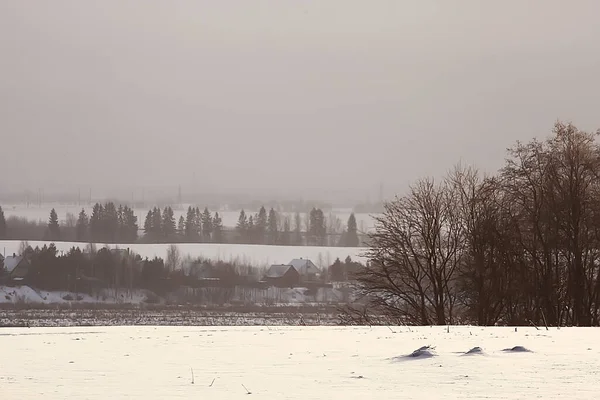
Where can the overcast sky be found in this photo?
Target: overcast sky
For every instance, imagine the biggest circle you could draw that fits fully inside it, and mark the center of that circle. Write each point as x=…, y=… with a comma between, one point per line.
x=285, y=96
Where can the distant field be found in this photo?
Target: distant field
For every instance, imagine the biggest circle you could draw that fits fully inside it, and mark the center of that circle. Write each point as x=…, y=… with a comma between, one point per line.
x=257, y=255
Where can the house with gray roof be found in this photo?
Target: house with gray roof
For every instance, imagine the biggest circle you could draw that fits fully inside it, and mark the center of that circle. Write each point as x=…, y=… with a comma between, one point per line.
x=282, y=275
x=306, y=268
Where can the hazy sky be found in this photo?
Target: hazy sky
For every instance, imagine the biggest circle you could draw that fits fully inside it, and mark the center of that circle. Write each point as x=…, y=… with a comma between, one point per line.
x=286, y=96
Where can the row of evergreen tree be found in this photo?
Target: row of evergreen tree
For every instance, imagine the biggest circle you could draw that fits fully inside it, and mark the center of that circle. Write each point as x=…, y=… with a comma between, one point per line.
x=109, y=223
x=266, y=228
x=197, y=226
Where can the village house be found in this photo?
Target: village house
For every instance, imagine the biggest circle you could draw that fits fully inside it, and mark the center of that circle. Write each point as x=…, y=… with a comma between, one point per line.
x=307, y=269
x=282, y=276
x=16, y=268
x=293, y=273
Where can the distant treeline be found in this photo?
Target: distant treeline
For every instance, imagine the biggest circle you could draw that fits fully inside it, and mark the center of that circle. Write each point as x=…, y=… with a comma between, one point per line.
x=110, y=223
x=90, y=270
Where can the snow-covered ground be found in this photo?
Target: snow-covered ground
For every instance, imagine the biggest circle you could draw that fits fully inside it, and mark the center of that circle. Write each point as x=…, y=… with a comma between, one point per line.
x=36, y=213
x=31, y=296
x=297, y=363
x=25, y=295
x=257, y=255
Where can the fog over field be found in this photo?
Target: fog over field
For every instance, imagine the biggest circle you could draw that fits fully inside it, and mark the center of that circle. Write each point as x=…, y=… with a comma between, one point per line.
x=322, y=100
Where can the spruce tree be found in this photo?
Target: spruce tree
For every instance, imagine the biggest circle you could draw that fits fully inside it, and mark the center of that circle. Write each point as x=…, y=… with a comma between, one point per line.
x=130, y=225
x=272, y=227
x=207, y=225
x=242, y=226
x=260, y=225
x=168, y=223
x=121, y=230
x=251, y=233
x=148, y=224
x=297, y=230
x=157, y=228
x=286, y=236
x=96, y=223
x=110, y=222
x=190, y=225
x=351, y=237
x=198, y=222
x=181, y=226
x=53, y=227
x=81, y=228
x=3, y=229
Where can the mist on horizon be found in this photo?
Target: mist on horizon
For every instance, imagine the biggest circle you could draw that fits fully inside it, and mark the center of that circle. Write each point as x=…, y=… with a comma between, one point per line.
x=304, y=99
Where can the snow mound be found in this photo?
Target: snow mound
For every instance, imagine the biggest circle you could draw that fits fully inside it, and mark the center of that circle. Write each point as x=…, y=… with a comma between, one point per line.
x=517, y=349
x=474, y=350
x=420, y=353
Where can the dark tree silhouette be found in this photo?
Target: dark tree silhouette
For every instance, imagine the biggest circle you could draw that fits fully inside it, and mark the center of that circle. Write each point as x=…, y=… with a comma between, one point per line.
x=351, y=236
x=3, y=229
x=53, y=227
x=82, y=226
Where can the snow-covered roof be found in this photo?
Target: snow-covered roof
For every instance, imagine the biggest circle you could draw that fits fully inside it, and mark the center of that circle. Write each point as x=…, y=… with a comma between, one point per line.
x=11, y=262
x=304, y=266
x=277, y=271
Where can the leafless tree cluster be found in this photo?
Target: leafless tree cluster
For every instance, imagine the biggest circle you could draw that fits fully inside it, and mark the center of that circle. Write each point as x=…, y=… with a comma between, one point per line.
x=519, y=247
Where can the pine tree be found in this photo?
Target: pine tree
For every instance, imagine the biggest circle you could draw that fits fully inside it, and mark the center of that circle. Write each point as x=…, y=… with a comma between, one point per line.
x=260, y=225
x=168, y=223
x=217, y=224
x=272, y=227
x=242, y=227
x=207, y=225
x=53, y=227
x=351, y=237
x=81, y=228
x=3, y=229
x=181, y=226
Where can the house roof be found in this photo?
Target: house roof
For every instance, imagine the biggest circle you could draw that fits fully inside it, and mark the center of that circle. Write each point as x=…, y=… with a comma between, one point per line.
x=278, y=271
x=11, y=262
x=304, y=265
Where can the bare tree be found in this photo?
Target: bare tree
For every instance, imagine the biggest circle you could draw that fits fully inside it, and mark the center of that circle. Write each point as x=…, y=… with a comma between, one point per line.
x=414, y=254
x=481, y=282
x=173, y=260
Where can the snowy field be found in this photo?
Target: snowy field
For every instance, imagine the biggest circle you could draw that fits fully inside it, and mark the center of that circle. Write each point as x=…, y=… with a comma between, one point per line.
x=297, y=363
x=257, y=255
x=364, y=221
